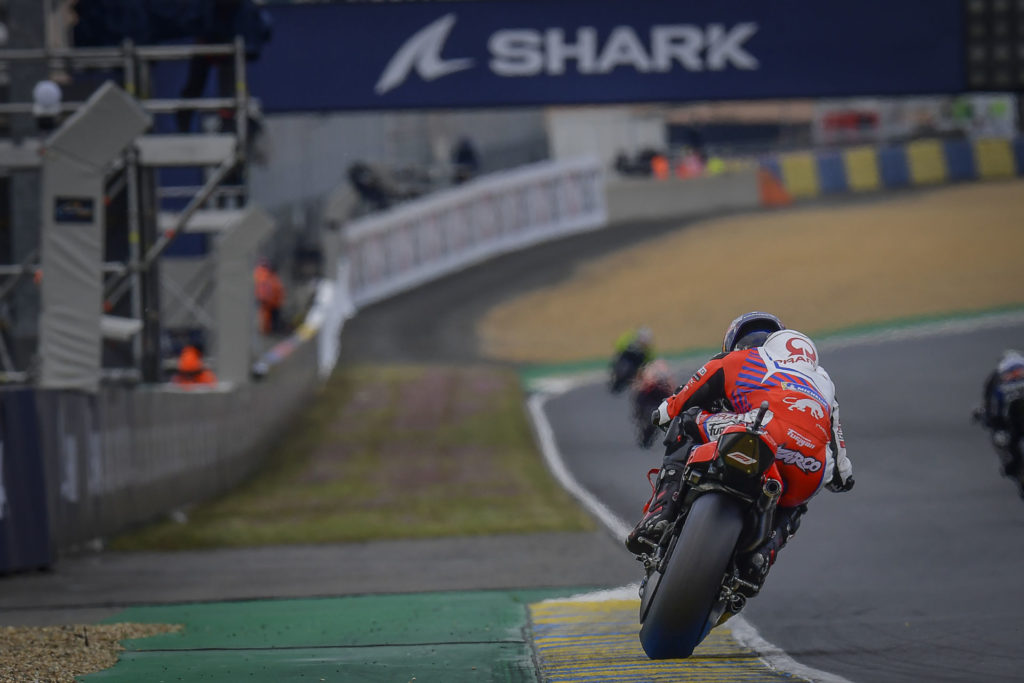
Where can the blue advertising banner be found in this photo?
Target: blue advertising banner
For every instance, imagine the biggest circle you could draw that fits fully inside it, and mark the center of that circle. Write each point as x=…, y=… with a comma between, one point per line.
x=507, y=53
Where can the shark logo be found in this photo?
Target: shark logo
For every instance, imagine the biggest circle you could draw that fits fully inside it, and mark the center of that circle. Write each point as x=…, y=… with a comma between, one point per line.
x=422, y=53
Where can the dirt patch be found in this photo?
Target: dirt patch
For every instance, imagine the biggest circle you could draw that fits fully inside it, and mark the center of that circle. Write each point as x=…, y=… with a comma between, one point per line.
x=949, y=250
x=57, y=654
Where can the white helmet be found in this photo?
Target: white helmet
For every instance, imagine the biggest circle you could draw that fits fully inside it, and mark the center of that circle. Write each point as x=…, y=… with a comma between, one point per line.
x=792, y=349
x=1010, y=358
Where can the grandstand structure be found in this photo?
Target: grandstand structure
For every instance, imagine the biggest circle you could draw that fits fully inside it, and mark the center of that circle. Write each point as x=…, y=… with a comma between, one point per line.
x=141, y=227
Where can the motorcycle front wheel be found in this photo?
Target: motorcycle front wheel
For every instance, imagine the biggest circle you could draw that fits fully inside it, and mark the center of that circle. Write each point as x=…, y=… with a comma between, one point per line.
x=676, y=618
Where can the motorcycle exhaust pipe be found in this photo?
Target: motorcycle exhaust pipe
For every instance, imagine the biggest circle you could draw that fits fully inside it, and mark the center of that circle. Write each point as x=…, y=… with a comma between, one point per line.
x=765, y=506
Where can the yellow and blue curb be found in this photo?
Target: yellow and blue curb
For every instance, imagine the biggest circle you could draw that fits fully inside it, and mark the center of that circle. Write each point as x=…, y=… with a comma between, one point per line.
x=597, y=638
x=919, y=163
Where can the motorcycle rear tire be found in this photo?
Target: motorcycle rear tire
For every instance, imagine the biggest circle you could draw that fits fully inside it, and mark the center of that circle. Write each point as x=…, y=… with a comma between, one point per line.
x=677, y=618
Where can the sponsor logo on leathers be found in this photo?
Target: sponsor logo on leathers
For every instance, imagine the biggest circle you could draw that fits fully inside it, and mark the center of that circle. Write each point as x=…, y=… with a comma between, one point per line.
x=694, y=378
x=799, y=349
x=813, y=393
x=801, y=440
x=714, y=425
x=804, y=462
x=550, y=51
x=805, y=405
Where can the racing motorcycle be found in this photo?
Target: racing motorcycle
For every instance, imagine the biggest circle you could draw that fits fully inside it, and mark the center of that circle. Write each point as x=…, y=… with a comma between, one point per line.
x=652, y=386
x=1003, y=431
x=700, y=572
x=624, y=368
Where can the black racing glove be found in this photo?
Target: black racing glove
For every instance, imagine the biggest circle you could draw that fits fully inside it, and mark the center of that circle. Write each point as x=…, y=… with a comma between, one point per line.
x=836, y=486
x=688, y=419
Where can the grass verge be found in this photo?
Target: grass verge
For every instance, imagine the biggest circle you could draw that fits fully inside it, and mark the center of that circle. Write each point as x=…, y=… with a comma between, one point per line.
x=389, y=452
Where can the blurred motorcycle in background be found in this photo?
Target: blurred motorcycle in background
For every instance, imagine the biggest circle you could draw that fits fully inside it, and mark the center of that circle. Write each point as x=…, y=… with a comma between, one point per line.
x=633, y=350
x=1002, y=413
x=653, y=384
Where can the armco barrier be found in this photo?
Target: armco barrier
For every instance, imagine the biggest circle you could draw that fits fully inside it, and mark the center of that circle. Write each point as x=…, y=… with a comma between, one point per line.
x=920, y=163
x=422, y=240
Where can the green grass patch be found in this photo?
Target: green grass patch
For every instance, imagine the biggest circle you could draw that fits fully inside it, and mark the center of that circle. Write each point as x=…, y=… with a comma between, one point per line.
x=389, y=452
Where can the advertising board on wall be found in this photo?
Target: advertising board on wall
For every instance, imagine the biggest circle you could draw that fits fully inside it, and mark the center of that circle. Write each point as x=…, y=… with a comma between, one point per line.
x=329, y=56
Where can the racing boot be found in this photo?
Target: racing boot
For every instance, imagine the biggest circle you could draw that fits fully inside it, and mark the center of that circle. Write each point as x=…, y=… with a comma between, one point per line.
x=787, y=521
x=659, y=513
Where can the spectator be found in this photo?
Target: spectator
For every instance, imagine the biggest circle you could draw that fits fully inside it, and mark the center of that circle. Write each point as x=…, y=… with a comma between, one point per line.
x=690, y=165
x=220, y=22
x=372, y=189
x=660, y=166
x=269, y=296
x=465, y=161
x=191, y=370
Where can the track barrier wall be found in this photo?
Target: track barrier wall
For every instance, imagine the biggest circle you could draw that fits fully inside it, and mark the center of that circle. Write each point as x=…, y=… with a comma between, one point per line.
x=127, y=455
x=919, y=163
x=79, y=466
x=632, y=200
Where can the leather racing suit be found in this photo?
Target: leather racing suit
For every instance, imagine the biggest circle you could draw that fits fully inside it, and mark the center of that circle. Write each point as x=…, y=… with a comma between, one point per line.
x=802, y=417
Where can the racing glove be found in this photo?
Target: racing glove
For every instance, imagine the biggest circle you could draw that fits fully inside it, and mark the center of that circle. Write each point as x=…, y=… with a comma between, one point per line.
x=660, y=416
x=842, y=474
x=840, y=486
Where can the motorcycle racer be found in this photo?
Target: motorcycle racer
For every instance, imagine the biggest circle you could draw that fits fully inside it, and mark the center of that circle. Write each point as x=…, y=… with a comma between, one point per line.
x=633, y=350
x=760, y=361
x=1002, y=412
x=653, y=384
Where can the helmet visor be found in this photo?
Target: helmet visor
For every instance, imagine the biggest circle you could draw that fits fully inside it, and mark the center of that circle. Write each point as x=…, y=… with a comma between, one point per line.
x=751, y=340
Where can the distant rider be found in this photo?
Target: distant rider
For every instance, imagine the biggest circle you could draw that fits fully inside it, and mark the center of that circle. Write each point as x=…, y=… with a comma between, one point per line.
x=1002, y=412
x=653, y=384
x=760, y=361
x=633, y=350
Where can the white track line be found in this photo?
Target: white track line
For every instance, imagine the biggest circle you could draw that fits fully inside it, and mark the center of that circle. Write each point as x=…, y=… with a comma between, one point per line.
x=742, y=630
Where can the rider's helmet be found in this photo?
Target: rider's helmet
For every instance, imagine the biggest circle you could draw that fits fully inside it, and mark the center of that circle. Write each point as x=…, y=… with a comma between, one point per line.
x=793, y=349
x=750, y=330
x=644, y=336
x=1011, y=363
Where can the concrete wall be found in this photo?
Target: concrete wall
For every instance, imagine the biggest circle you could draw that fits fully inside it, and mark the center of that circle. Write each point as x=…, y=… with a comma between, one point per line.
x=129, y=455
x=650, y=199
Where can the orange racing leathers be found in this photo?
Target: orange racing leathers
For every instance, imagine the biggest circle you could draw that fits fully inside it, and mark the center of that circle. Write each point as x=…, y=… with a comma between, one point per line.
x=802, y=417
